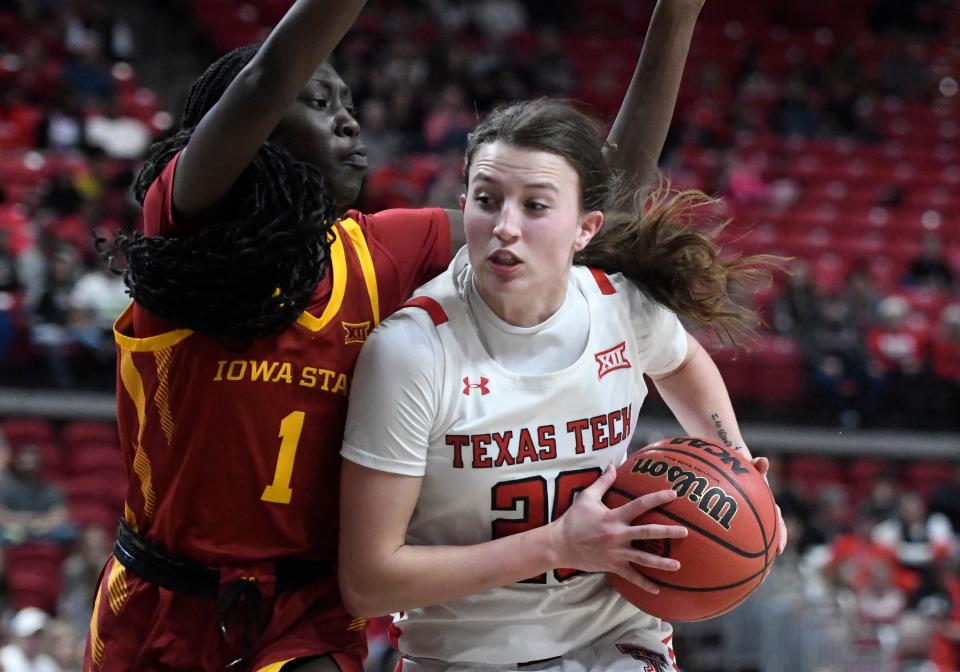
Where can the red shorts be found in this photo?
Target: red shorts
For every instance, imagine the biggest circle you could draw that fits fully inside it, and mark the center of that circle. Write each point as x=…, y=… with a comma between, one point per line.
x=137, y=625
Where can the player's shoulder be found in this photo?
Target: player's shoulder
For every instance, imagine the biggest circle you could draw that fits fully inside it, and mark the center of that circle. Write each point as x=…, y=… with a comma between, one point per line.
x=370, y=222
x=617, y=287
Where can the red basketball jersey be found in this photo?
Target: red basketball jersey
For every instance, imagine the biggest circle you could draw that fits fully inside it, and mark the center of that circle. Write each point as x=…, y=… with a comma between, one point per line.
x=233, y=456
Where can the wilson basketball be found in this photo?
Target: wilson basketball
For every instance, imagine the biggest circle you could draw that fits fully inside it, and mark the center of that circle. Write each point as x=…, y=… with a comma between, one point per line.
x=731, y=517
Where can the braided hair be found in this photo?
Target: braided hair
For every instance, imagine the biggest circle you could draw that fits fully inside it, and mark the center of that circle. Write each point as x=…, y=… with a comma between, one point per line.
x=252, y=267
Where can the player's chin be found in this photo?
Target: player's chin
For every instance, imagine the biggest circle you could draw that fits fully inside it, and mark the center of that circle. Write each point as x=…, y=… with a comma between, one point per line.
x=348, y=187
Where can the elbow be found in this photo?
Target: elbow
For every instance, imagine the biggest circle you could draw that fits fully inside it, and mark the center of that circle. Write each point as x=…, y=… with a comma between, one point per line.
x=361, y=598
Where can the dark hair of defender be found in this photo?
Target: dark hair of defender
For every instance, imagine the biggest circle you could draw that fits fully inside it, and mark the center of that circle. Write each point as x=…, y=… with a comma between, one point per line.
x=250, y=269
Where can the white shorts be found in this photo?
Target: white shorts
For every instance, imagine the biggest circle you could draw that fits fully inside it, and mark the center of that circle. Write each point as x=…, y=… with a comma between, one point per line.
x=627, y=648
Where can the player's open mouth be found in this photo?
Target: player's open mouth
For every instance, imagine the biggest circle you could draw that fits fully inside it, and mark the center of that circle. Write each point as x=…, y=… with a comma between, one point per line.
x=504, y=259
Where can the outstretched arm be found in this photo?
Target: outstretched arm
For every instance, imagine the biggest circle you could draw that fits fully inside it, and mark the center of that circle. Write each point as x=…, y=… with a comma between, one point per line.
x=640, y=129
x=230, y=134
x=698, y=397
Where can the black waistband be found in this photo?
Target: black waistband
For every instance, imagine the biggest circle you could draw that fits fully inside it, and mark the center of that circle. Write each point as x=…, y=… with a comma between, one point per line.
x=184, y=576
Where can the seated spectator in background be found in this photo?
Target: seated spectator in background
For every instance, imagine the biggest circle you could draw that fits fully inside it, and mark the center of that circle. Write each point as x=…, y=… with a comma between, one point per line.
x=26, y=651
x=915, y=535
x=52, y=318
x=838, y=359
x=882, y=501
x=118, y=136
x=64, y=646
x=898, y=353
x=382, y=140
x=946, y=500
x=96, y=302
x=794, y=113
x=945, y=363
x=930, y=267
x=904, y=72
x=795, y=311
x=61, y=128
x=81, y=570
x=448, y=123
x=861, y=293
x=879, y=601
x=31, y=507
x=88, y=74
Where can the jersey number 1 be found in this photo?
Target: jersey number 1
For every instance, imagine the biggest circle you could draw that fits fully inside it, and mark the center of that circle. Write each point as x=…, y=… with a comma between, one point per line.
x=279, y=491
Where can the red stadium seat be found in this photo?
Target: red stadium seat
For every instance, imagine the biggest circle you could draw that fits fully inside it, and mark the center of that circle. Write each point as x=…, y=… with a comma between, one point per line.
x=28, y=430
x=83, y=433
x=33, y=575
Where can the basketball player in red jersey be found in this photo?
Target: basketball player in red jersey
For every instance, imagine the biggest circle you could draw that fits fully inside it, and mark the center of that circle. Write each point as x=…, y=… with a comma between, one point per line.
x=252, y=300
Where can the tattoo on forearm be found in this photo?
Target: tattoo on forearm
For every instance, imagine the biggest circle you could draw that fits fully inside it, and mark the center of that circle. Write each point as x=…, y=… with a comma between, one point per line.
x=722, y=432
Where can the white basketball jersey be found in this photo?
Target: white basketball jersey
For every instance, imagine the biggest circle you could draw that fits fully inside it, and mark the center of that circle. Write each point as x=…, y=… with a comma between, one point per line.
x=509, y=452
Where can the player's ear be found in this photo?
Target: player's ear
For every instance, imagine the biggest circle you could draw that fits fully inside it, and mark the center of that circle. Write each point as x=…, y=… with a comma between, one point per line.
x=463, y=202
x=590, y=223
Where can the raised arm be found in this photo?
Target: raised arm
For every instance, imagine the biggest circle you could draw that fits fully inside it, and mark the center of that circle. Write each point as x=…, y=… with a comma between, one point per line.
x=230, y=134
x=640, y=129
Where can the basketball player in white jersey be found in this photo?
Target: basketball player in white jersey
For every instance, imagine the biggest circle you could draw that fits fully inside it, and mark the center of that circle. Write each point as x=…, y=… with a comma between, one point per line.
x=485, y=418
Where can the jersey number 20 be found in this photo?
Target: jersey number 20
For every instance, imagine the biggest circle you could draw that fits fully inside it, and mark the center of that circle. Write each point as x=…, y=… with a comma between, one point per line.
x=533, y=495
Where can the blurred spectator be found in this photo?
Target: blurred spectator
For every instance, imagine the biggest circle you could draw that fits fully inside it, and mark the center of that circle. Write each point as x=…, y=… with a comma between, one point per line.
x=52, y=317
x=88, y=75
x=945, y=362
x=850, y=386
x=795, y=113
x=499, y=18
x=96, y=301
x=916, y=535
x=448, y=123
x=882, y=500
x=61, y=127
x=930, y=268
x=31, y=507
x=65, y=646
x=904, y=73
x=946, y=500
x=383, y=142
x=81, y=570
x=898, y=352
x=28, y=643
x=119, y=137
x=795, y=311
x=862, y=295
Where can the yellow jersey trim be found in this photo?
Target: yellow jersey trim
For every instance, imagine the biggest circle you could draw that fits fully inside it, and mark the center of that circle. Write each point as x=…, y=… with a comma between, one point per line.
x=366, y=265
x=275, y=667
x=338, y=261
x=149, y=344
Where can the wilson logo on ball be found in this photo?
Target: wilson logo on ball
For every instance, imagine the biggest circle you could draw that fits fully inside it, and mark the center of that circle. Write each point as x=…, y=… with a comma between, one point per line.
x=715, y=502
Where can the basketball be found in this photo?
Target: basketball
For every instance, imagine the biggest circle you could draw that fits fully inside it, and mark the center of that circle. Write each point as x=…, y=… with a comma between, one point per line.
x=730, y=514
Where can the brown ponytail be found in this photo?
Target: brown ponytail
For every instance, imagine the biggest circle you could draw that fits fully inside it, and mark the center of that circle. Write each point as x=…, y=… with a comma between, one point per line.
x=664, y=241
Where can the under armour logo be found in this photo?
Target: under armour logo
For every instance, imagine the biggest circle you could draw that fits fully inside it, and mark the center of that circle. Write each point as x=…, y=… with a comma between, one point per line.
x=482, y=386
x=612, y=359
x=654, y=662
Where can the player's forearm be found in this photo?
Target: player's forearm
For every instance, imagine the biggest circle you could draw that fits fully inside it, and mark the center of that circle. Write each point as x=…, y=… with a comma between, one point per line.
x=698, y=397
x=640, y=129
x=419, y=576
x=230, y=134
